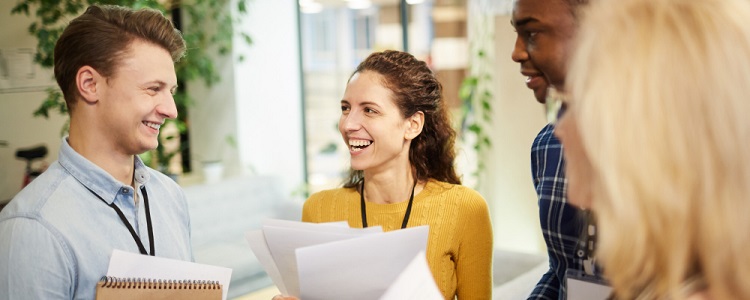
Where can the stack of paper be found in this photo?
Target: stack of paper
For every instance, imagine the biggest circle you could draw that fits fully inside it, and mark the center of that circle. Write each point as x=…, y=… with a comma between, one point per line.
x=333, y=261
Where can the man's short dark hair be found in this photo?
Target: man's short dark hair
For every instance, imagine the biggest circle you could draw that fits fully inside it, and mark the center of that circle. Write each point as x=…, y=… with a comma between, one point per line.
x=102, y=35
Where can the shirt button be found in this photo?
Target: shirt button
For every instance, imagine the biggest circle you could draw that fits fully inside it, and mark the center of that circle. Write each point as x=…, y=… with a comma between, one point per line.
x=124, y=190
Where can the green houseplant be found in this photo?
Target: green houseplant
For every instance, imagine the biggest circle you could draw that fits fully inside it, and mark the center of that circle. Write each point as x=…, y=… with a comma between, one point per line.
x=477, y=91
x=203, y=43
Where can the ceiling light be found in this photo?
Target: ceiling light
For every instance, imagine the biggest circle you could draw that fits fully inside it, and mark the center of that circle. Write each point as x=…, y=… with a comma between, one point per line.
x=359, y=4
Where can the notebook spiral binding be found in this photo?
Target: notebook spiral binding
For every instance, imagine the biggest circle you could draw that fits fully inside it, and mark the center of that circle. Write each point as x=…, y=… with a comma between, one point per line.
x=158, y=284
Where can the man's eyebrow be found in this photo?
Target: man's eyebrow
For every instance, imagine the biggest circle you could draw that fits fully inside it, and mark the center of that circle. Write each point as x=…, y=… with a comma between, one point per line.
x=161, y=83
x=157, y=82
x=523, y=21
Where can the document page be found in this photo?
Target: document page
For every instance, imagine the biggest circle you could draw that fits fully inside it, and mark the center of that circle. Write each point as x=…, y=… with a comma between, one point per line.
x=359, y=268
x=275, y=243
x=415, y=282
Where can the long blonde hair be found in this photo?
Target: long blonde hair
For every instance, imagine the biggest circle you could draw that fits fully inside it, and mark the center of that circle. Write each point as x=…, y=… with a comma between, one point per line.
x=660, y=96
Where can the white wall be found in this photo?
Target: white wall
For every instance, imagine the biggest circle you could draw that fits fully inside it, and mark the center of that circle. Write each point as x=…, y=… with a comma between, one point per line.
x=517, y=118
x=17, y=126
x=268, y=91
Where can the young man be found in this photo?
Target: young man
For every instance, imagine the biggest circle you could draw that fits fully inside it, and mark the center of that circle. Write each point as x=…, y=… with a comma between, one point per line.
x=545, y=30
x=115, y=67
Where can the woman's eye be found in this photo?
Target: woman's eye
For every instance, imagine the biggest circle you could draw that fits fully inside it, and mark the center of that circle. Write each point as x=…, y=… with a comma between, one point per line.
x=370, y=110
x=344, y=108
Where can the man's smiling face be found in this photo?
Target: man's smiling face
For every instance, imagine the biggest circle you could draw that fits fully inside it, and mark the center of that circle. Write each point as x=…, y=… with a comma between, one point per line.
x=545, y=30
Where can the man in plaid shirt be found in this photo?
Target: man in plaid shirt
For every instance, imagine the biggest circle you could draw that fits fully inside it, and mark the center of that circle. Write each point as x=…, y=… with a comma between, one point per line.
x=545, y=29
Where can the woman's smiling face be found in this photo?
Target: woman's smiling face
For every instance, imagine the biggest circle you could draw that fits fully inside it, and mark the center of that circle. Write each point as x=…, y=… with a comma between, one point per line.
x=372, y=125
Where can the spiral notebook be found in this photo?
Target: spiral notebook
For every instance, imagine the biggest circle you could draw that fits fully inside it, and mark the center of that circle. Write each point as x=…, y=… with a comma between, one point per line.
x=184, y=275
x=110, y=287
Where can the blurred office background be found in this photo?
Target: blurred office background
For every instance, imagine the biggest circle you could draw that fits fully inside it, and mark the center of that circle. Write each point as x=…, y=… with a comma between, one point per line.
x=271, y=122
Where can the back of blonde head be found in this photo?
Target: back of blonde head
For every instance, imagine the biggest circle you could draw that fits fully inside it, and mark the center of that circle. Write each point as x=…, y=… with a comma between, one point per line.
x=660, y=94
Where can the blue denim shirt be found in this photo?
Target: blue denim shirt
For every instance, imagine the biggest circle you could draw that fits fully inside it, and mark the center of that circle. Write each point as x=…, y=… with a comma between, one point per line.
x=56, y=236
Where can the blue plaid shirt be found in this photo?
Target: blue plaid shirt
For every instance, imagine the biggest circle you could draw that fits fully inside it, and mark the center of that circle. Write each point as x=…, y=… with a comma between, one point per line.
x=561, y=222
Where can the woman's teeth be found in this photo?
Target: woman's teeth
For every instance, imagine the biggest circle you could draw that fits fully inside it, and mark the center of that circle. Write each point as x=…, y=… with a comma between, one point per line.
x=358, y=145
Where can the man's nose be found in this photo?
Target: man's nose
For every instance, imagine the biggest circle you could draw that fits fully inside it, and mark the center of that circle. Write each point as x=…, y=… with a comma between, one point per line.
x=519, y=53
x=167, y=108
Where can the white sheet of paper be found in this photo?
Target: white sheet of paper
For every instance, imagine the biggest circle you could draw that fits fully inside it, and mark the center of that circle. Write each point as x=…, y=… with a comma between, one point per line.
x=258, y=245
x=133, y=265
x=282, y=241
x=415, y=282
x=257, y=242
x=284, y=246
x=360, y=268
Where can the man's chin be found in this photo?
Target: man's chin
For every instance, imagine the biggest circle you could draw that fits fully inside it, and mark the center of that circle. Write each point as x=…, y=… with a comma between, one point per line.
x=147, y=148
x=540, y=95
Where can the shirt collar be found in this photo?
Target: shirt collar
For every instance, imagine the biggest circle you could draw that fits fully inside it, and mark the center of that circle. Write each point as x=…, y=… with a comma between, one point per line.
x=95, y=178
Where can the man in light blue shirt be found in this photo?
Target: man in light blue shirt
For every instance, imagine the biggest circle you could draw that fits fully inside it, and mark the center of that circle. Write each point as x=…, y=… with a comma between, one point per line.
x=115, y=67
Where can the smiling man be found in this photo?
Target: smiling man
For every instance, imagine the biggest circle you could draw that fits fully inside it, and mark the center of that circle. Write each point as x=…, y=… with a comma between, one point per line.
x=545, y=31
x=115, y=67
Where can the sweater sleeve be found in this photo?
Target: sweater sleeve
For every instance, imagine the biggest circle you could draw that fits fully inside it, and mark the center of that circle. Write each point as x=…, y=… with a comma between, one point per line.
x=474, y=265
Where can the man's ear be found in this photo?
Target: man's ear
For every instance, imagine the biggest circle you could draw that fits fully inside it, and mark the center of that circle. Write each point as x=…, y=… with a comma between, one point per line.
x=415, y=124
x=87, y=79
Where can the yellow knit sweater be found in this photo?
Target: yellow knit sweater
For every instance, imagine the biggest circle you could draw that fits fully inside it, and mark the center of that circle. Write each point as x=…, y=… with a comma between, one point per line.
x=459, y=247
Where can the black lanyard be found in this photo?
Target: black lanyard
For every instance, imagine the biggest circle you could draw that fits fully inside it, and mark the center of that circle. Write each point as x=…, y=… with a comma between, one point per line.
x=364, y=211
x=130, y=227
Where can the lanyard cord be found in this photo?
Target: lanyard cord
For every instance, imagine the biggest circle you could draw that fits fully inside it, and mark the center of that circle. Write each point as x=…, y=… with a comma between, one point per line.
x=130, y=227
x=364, y=211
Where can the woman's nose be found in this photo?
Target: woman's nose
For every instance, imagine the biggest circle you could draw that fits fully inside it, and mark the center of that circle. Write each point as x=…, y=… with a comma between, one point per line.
x=351, y=121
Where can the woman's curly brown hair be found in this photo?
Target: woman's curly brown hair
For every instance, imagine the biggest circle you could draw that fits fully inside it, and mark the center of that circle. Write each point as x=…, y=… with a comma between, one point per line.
x=415, y=88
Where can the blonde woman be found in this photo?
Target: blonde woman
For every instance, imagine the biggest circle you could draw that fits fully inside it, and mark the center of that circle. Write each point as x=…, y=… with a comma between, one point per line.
x=657, y=133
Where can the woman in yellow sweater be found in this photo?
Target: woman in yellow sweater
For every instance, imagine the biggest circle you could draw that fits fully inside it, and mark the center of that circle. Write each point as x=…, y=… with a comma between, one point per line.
x=395, y=124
